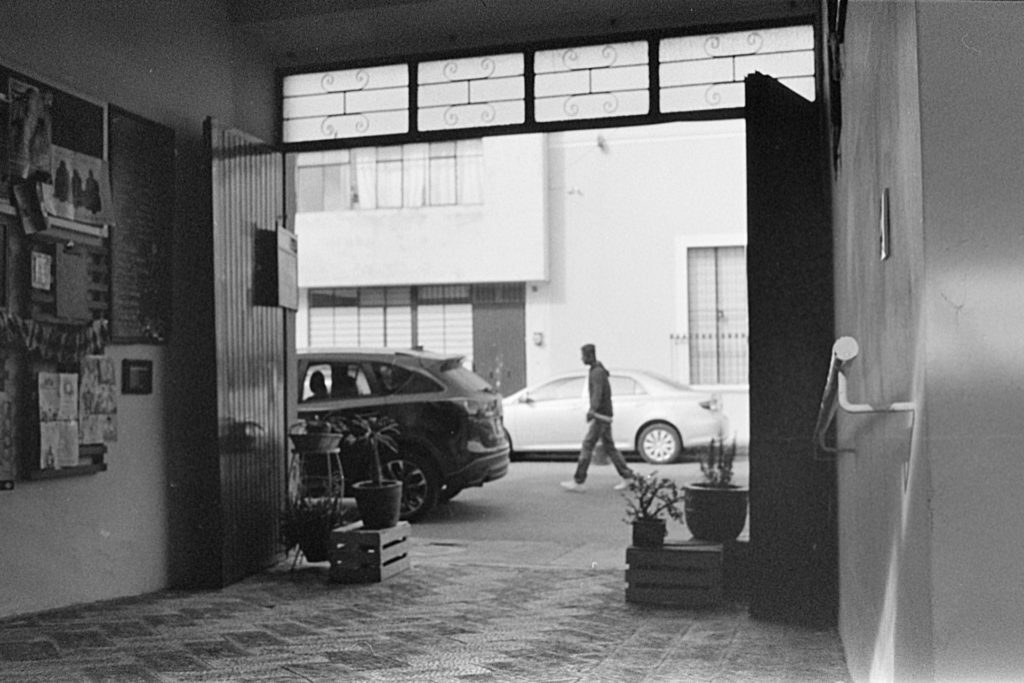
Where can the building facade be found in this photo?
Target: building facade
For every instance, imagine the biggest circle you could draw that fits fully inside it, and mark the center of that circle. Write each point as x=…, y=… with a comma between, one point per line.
x=632, y=238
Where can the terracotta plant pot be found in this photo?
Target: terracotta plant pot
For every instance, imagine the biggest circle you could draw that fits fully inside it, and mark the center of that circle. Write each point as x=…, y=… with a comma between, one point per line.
x=715, y=514
x=379, y=506
x=649, y=533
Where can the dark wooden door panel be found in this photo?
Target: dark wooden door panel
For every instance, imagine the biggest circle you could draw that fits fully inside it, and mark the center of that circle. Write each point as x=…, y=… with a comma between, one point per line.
x=789, y=279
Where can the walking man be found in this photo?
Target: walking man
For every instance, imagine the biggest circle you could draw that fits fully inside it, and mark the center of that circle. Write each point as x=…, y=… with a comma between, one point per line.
x=599, y=425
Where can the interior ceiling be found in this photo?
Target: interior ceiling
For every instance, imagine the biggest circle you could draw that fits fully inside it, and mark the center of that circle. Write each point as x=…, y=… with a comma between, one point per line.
x=311, y=32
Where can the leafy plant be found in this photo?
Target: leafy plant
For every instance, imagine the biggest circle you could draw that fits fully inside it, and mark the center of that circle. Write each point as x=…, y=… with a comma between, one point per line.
x=306, y=522
x=716, y=464
x=373, y=432
x=650, y=497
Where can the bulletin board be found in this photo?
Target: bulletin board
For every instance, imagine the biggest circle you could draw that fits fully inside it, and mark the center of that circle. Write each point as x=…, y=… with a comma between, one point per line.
x=86, y=217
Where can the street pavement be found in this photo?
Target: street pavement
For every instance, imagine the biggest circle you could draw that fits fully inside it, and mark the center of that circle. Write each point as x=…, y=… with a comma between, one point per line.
x=527, y=518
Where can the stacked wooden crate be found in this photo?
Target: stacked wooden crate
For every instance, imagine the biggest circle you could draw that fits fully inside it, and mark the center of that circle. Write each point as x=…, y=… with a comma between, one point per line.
x=684, y=574
x=368, y=555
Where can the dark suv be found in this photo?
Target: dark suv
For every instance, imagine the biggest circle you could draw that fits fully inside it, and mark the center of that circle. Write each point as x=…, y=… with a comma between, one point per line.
x=450, y=418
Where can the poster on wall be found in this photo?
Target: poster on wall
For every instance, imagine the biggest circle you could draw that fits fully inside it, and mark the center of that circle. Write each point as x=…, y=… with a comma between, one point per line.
x=7, y=466
x=29, y=130
x=97, y=401
x=80, y=190
x=58, y=419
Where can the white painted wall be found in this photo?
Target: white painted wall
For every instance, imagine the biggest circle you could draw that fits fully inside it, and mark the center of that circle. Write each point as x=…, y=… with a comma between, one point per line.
x=502, y=240
x=973, y=166
x=624, y=204
x=929, y=512
x=106, y=535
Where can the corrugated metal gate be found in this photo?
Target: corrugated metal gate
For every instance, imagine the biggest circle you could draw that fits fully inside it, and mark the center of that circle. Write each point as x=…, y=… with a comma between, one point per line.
x=251, y=354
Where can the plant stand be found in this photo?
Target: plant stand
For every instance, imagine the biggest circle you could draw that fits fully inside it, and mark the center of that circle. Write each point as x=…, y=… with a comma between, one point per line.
x=682, y=574
x=361, y=555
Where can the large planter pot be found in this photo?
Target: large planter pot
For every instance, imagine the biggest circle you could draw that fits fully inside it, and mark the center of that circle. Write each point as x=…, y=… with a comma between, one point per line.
x=714, y=513
x=315, y=547
x=315, y=442
x=649, y=533
x=379, y=506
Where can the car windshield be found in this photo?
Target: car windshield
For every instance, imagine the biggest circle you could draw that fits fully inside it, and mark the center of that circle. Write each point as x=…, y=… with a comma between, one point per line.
x=657, y=382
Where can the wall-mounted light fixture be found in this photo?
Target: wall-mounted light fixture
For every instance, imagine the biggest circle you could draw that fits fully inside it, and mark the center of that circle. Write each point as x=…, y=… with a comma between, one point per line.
x=538, y=339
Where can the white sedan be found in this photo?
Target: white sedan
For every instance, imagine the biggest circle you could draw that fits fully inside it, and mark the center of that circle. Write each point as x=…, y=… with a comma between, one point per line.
x=655, y=416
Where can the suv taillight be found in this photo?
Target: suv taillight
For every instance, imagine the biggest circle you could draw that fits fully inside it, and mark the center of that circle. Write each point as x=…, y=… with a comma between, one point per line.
x=485, y=408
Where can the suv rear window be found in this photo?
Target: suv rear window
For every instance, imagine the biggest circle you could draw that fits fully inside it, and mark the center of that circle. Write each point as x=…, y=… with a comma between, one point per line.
x=466, y=380
x=394, y=379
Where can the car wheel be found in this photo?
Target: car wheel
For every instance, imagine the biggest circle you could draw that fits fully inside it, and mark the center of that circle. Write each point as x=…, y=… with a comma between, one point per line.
x=420, y=484
x=659, y=443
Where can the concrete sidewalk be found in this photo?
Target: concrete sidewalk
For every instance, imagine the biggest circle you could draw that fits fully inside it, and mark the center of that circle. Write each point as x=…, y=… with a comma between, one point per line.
x=465, y=611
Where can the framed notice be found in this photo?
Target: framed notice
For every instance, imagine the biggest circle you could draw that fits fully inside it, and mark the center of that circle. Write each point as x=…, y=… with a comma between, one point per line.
x=142, y=197
x=136, y=376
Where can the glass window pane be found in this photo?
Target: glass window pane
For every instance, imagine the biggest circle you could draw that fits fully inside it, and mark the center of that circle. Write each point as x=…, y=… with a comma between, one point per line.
x=335, y=192
x=442, y=181
x=398, y=327
x=364, y=186
x=371, y=326
x=414, y=175
x=389, y=184
x=309, y=189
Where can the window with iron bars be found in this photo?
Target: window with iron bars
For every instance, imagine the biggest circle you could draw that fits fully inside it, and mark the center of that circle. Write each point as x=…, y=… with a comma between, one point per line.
x=718, y=327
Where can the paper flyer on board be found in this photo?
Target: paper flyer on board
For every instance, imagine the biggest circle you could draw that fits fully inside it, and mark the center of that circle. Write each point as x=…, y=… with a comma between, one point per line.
x=97, y=401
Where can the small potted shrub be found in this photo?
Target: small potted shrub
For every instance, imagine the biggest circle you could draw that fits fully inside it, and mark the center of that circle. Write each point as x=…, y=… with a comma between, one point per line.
x=716, y=509
x=379, y=499
x=649, y=499
x=306, y=524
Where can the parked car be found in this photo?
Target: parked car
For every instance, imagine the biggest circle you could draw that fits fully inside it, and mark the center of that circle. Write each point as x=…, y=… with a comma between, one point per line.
x=655, y=416
x=450, y=418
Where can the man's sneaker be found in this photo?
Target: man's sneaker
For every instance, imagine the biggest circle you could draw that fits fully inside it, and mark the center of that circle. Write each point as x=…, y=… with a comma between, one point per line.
x=573, y=485
x=623, y=485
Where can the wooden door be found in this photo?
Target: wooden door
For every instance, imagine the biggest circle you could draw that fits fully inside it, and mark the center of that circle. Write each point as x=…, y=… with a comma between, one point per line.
x=791, y=300
x=252, y=352
x=499, y=347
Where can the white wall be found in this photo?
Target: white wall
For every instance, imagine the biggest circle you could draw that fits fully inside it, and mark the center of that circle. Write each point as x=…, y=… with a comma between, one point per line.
x=502, y=240
x=106, y=535
x=929, y=510
x=973, y=161
x=624, y=203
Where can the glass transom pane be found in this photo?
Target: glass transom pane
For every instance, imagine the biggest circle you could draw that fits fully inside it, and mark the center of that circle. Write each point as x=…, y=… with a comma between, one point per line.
x=471, y=92
x=590, y=82
x=345, y=104
x=707, y=71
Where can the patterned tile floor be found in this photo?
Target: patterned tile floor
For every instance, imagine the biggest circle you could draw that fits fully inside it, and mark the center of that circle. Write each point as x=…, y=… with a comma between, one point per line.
x=438, y=621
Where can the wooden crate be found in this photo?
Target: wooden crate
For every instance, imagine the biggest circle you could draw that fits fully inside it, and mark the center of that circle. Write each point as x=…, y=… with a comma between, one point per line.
x=684, y=574
x=368, y=555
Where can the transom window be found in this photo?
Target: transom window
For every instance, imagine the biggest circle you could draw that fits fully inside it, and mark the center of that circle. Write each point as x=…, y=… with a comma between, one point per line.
x=521, y=91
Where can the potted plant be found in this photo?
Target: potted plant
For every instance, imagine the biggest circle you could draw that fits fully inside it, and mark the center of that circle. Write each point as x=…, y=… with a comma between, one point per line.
x=716, y=509
x=316, y=458
x=379, y=499
x=315, y=436
x=649, y=498
x=306, y=524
